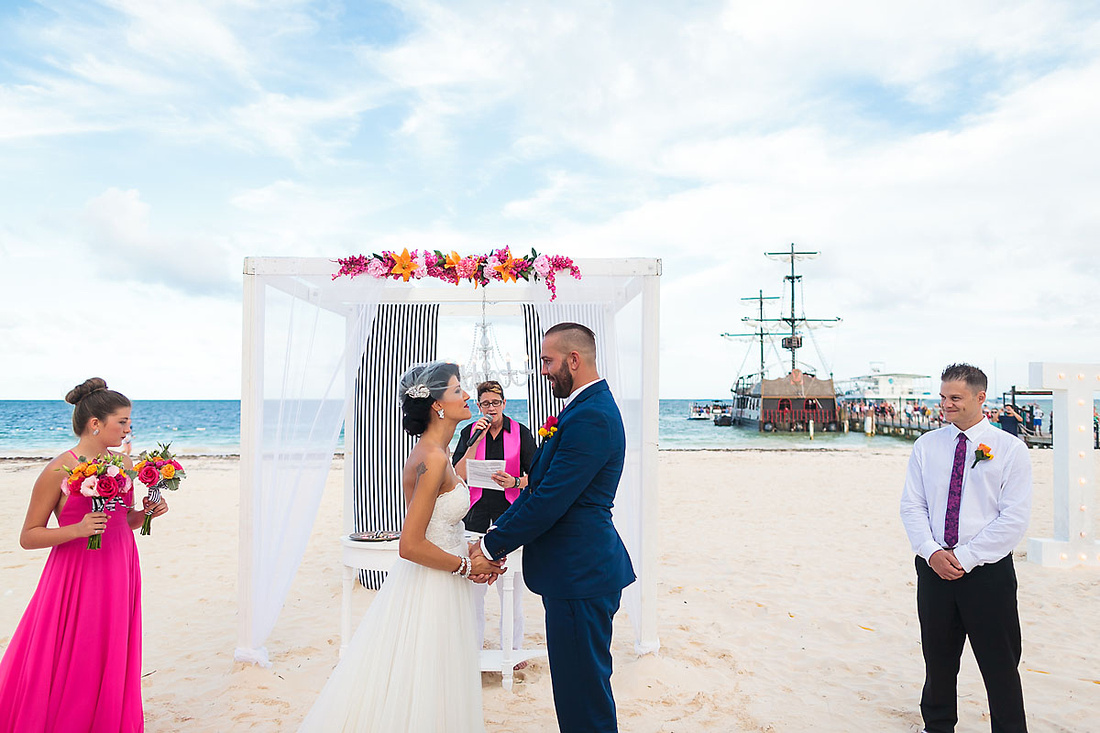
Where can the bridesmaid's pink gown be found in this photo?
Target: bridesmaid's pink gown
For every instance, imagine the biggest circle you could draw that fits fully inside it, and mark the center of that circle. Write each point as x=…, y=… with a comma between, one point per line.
x=74, y=662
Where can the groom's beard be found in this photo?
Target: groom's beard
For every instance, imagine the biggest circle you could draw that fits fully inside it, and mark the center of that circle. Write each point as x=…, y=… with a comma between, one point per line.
x=561, y=382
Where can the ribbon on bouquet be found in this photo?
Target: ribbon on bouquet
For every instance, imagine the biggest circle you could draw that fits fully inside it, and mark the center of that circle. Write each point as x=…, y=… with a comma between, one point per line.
x=154, y=499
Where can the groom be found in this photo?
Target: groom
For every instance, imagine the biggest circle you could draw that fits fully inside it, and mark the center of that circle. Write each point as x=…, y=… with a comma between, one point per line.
x=572, y=556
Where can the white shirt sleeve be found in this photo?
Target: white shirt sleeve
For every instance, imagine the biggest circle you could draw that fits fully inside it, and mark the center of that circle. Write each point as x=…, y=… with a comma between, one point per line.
x=915, y=515
x=1000, y=536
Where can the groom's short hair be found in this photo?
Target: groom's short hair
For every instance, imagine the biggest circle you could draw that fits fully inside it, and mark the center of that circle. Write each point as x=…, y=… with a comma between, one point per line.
x=575, y=337
x=973, y=376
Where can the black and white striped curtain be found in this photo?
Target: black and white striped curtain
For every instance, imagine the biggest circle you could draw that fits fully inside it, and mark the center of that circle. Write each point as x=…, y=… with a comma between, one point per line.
x=402, y=335
x=541, y=402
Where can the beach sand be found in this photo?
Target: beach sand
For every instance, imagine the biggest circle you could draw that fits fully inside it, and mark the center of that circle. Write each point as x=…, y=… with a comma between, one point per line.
x=786, y=603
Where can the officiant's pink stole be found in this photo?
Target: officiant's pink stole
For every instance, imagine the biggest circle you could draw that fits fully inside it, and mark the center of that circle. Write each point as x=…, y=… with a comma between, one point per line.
x=511, y=462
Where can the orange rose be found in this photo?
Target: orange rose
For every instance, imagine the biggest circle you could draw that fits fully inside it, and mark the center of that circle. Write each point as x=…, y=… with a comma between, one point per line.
x=167, y=471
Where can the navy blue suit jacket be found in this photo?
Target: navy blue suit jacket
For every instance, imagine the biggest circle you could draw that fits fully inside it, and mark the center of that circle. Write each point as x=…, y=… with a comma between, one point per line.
x=563, y=521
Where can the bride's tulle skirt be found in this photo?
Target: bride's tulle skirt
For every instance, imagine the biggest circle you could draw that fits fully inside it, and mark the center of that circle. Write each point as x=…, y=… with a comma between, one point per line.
x=412, y=664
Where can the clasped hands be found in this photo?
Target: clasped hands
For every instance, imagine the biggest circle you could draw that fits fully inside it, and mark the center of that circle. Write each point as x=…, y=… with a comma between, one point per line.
x=482, y=569
x=946, y=565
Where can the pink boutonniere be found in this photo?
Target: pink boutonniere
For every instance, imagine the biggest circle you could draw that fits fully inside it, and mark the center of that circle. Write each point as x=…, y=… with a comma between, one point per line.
x=549, y=428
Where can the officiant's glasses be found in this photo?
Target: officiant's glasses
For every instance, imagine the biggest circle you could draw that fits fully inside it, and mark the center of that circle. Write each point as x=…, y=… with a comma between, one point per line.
x=490, y=403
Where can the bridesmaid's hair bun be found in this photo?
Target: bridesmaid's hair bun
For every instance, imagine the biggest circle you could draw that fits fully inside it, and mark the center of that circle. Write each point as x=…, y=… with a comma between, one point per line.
x=93, y=399
x=80, y=391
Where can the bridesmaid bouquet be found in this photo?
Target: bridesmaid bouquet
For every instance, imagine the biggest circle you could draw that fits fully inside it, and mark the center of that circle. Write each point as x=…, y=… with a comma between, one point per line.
x=103, y=479
x=158, y=470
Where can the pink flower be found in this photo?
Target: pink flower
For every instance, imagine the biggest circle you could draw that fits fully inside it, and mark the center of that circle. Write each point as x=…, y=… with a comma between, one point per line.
x=88, y=487
x=491, y=267
x=467, y=267
x=542, y=265
x=377, y=268
x=176, y=465
x=109, y=486
x=148, y=474
x=112, y=471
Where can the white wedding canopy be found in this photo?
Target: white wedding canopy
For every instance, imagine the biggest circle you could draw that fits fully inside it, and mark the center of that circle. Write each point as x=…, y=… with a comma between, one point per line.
x=315, y=345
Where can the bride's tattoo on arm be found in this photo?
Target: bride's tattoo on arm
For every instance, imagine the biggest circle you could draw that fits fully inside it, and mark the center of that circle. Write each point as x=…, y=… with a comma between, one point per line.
x=421, y=469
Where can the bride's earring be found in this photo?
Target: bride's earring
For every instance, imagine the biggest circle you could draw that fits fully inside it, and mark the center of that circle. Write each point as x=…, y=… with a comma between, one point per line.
x=95, y=432
x=441, y=413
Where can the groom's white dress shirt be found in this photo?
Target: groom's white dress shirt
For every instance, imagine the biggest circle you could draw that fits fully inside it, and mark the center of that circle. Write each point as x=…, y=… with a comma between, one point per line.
x=996, y=494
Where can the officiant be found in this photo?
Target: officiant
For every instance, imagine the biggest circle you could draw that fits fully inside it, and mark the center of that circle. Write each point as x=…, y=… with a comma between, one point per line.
x=497, y=437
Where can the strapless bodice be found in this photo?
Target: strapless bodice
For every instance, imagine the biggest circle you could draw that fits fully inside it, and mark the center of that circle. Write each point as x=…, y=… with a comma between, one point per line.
x=445, y=529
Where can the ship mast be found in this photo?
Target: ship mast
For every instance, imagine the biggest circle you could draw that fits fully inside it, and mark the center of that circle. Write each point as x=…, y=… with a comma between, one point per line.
x=794, y=342
x=759, y=333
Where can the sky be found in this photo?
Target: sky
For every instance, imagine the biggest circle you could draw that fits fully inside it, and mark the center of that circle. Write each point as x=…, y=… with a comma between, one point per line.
x=941, y=156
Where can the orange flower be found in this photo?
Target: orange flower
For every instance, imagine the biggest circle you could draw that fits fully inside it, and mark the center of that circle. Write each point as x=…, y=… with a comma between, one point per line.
x=982, y=453
x=167, y=471
x=404, y=265
x=80, y=468
x=505, y=268
x=452, y=260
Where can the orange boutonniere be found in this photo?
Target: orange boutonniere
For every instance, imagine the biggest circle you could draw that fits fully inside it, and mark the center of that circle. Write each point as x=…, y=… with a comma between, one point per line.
x=549, y=428
x=982, y=453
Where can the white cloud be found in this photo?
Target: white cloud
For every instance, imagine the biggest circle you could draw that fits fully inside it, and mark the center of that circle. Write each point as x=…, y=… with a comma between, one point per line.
x=939, y=154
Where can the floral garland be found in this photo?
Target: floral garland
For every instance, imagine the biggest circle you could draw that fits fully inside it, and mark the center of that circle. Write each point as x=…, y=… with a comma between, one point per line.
x=498, y=265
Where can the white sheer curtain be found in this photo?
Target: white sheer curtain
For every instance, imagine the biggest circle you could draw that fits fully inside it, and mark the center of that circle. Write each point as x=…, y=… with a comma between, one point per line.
x=312, y=329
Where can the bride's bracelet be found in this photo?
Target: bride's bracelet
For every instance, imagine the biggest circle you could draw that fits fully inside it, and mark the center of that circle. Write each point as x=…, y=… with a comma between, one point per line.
x=463, y=568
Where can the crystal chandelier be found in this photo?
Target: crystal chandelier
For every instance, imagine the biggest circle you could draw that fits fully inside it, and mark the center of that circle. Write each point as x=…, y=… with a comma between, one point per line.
x=485, y=360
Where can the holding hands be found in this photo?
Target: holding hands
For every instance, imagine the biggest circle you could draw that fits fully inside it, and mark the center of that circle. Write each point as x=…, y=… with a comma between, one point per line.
x=484, y=570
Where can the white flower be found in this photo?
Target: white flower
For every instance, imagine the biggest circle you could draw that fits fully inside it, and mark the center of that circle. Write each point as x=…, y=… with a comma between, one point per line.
x=112, y=471
x=87, y=488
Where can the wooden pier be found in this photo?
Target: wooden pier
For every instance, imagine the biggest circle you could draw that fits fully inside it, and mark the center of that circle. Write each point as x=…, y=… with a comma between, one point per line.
x=914, y=427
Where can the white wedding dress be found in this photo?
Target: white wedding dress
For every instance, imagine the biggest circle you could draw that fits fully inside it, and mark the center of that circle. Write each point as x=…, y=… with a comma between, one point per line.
x=413, y=664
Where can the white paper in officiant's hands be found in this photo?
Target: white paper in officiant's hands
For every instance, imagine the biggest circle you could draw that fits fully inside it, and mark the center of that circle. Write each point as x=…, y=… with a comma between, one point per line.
x=480, y=473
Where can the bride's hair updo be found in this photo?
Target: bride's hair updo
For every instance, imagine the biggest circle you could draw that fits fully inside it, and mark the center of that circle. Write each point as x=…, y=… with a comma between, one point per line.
x=93, y=399
x=421, y=385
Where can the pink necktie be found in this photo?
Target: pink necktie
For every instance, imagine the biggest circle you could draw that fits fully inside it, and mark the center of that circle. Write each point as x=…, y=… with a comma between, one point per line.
x=954, y=495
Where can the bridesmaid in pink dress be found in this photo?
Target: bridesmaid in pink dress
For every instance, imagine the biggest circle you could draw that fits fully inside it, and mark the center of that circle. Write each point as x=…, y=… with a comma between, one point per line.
x=74, y=661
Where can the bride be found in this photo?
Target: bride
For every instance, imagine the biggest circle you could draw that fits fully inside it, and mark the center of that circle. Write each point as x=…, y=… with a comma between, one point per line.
x=413, y=662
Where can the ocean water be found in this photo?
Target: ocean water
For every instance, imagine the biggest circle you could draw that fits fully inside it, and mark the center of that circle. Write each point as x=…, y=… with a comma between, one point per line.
x=212, y=427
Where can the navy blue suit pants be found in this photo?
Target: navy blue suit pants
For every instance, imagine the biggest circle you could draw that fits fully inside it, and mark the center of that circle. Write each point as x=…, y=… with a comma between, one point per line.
x=578, y=642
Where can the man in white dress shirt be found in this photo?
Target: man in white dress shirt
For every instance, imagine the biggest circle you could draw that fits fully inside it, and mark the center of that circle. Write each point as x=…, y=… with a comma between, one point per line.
x=966, y=505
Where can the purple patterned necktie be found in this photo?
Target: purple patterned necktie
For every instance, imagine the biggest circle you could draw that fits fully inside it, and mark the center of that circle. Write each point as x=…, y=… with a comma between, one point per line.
x=954, y=495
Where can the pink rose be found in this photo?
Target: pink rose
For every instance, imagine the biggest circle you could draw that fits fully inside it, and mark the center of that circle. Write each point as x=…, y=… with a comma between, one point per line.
x=176, y=465
x=377, y=268
x=112, y=470
x=88, y=487
x=109, y=487
x=148, y=474
x=542, y=265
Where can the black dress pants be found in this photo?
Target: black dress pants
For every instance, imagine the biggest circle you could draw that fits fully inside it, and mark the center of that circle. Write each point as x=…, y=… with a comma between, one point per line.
x=980, y=605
